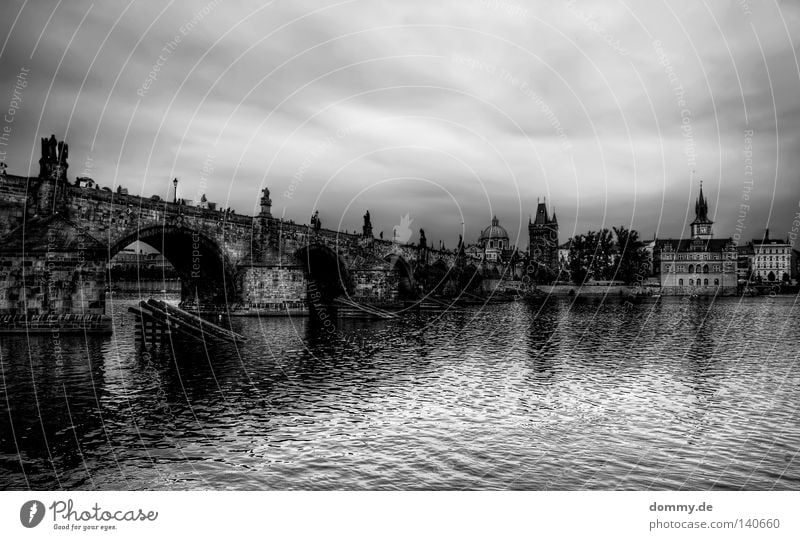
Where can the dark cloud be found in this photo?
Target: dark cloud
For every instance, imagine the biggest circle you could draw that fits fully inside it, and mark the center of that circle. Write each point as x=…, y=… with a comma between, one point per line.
x=488, y=106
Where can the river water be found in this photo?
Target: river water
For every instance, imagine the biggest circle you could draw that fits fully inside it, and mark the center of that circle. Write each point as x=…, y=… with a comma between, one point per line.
x=567, y=394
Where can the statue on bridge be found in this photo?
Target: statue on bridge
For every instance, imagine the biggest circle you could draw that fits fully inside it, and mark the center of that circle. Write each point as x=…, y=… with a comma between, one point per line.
x=422, y=249
x=53, y=163
x=55, y=151
x=266, y=204
x=316, y=224
x=367, y=228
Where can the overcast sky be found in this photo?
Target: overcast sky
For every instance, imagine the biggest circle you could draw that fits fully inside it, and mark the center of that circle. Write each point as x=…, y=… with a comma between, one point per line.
x=447, y=111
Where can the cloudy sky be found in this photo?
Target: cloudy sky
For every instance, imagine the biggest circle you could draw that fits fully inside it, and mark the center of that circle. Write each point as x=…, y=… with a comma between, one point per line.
x=448, y=111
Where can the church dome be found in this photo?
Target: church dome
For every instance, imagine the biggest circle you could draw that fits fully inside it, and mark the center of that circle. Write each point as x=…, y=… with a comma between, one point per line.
x=494, y=231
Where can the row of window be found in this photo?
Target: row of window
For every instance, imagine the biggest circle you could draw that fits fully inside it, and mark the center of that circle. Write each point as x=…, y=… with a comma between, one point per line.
x=692, y=269
x=277, y=305
x=776, y=264
x=771, y=276
x=777, y=258
x=275, y=278
x=692, y=282
x=705, y=256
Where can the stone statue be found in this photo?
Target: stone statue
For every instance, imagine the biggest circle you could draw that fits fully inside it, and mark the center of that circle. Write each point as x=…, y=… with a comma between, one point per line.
x=367, y=228
x=51, y=150
x=53, y=163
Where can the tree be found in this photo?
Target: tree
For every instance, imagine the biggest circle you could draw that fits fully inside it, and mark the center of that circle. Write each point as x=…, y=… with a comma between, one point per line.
x=632, y=258
x=603, y=258
x=580, y=258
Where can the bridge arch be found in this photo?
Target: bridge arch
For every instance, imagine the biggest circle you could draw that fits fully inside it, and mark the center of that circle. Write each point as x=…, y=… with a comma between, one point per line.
x=325, y=271
x=406, y=287
x=207, y=275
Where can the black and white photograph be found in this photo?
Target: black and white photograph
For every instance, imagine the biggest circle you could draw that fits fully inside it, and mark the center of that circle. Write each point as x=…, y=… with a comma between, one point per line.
x=533, y=250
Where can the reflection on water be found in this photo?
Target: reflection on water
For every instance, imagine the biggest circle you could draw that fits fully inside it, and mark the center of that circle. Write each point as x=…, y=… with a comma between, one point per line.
x=560, y=395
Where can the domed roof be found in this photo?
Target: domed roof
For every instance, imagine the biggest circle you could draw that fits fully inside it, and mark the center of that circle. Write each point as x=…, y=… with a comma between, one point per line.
x=494, y=231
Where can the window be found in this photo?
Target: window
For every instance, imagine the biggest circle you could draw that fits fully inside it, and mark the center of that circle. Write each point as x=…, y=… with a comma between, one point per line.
x=691, y=282
x=705, y=282
x=680, y=282
x=691, y=268
x=705, y=271
x=716, y=282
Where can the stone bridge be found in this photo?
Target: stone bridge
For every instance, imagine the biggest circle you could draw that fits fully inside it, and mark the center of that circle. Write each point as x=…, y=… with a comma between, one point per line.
x=256, y=262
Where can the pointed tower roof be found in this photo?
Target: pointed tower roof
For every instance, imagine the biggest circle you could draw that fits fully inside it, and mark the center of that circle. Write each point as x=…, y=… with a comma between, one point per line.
x=701, y=208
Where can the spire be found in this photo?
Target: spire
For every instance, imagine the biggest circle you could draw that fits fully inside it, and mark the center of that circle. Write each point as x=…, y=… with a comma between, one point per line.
x=701, y=226
x=495, y=221
x=701, y=207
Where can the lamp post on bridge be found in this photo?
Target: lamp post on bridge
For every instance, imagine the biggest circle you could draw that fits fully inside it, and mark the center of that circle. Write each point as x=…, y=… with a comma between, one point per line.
x=175, y=195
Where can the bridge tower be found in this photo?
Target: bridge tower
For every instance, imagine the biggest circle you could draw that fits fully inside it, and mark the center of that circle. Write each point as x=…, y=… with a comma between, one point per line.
x=543, y=238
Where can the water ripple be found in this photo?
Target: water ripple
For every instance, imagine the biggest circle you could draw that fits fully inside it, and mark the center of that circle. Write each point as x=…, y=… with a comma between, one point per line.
x=577, y=394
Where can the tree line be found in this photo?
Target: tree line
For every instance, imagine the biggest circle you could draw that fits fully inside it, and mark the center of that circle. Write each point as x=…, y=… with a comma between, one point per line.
x=604, y=255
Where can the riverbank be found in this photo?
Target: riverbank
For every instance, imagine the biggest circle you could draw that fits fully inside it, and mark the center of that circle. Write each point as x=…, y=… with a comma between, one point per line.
x=629, y=291
x=62, y=324
x=145, y=286
x=594, y=290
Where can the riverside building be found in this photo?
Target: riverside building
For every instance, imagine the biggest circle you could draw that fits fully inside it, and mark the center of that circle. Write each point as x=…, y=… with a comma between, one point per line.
x=701, y=264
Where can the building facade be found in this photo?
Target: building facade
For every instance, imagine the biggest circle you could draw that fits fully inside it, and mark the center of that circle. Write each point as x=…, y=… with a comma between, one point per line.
x=700, y=264
x=771, y=259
